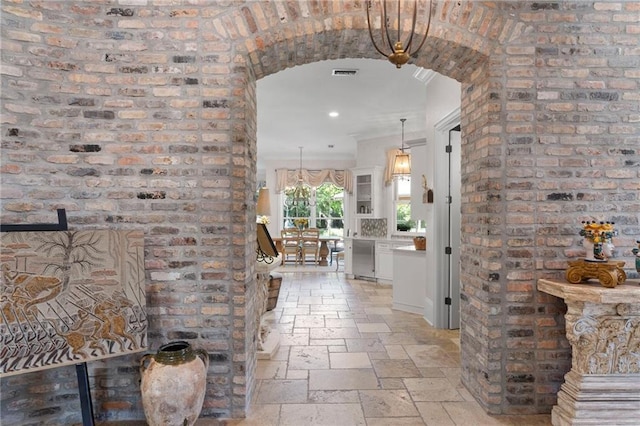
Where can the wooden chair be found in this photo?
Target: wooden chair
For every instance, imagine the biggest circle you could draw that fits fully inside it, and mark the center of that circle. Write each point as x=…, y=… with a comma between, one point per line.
x=290, y=244
x=310, y=244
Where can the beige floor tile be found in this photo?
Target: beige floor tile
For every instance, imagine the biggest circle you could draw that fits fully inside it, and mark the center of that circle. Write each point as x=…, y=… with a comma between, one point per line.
x=261, y=415
x=431, y=356
x=432, y=389
x=296, y=311
x=395, y=421
x=291, y=339
x=395, y=368
x=297, y=374
x=334, y=301
x=332, y=397
x=391, y=383
x=309, y=300
x=349, y=360
x=342, y=379
x=396, y=352
x=365, y=345
x=398, y=338
x=309, y=321
x=378, y=310
x=333, y=333
x=308, y=358
x=387, y=403
x=282, y=391
x=434, y=414
x=378, y=327
x=431, y=372
x=469, y=412
x=340, y=322
x=334, y=309
x=327, y=342
x=321, y=415
x=337, y=349
x=270, y=369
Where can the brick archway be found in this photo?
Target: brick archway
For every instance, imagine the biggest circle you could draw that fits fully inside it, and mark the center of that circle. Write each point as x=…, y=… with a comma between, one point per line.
x=461, y=44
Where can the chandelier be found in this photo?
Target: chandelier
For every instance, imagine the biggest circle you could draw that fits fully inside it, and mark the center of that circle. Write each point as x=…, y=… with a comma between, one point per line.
x=400, y=52
x=402, y=160
x=300, y=196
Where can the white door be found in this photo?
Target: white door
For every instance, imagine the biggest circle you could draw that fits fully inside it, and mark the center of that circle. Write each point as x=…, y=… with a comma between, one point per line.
x=447, y=222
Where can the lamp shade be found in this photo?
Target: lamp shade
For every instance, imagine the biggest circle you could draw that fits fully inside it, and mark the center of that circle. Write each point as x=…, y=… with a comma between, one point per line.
x=263, y=208
x=402, y=164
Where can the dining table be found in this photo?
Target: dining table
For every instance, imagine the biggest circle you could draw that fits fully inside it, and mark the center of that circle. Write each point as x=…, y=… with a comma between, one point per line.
x=324, y=247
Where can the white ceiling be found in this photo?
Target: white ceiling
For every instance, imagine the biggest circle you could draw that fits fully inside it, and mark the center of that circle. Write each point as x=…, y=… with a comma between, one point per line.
x=294, y=106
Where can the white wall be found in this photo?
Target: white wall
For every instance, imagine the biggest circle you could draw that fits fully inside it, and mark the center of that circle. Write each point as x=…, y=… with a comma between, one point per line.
x=443, y=100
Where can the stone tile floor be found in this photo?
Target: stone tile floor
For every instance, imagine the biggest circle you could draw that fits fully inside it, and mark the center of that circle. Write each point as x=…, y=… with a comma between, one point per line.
x=347, y=358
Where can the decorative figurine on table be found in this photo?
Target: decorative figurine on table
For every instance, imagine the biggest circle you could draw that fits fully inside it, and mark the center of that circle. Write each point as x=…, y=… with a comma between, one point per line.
x=636, y=251
x=596, y=264
x=597, y=240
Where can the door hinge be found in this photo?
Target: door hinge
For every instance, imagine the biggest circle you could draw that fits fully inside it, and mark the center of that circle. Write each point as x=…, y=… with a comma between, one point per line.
x=447, y=250
x=448, y=199
x=447, y=301
x=448, y=149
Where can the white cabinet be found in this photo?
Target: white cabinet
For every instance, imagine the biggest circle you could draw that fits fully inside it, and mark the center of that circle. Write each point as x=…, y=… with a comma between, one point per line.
x=368, y=188
x=384, y=258
x=384, y=261
x=348, y=257
x=409, y=281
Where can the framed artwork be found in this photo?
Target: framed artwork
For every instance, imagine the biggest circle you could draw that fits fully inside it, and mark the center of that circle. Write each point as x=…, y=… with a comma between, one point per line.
x=70, y=297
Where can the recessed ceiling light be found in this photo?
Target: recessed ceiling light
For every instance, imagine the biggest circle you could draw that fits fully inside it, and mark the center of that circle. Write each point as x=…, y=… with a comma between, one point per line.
x=334, y=114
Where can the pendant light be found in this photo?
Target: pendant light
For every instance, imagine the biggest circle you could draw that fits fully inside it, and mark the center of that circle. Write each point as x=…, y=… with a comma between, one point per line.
x=399, y=53
x=300, y=196
x=402, y=160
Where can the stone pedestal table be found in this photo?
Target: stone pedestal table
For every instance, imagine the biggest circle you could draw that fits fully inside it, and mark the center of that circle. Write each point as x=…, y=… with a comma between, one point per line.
x=268, y=337
x=603, y=327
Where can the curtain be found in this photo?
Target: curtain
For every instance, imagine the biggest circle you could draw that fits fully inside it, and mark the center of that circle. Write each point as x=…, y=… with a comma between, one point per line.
x=314, y=178
x=388, y=171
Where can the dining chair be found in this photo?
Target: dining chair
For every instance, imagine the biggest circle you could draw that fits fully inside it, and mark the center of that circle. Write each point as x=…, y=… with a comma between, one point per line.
x=310, y=244
x=290, y=244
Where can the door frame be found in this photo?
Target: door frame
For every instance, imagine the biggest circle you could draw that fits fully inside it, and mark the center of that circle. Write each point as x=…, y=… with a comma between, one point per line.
x=441, y=217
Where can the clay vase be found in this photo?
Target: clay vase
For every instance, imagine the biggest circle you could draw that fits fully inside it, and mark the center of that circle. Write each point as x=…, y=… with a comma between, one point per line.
x=173, y=385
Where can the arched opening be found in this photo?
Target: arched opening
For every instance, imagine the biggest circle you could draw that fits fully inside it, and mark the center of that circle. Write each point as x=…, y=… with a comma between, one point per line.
x=450, y=58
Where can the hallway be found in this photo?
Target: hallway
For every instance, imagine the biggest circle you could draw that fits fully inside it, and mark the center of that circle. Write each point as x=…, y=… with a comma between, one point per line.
x=346, y=358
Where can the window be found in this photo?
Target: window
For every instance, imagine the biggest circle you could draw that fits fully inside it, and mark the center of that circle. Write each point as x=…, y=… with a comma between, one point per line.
x=324, y=211
x=402, y=207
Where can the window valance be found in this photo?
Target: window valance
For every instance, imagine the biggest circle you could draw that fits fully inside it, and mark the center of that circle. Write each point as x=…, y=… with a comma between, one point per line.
x=314, y=178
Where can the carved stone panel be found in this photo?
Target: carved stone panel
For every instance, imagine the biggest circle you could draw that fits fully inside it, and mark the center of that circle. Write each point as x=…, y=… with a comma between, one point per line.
x=606, y=344
x=70, y=297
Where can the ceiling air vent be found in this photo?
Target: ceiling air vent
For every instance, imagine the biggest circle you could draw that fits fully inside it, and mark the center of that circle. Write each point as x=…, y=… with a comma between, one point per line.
x=344, y=72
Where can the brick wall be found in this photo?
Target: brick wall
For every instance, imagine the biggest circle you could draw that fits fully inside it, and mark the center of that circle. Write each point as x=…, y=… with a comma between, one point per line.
x=143, y=116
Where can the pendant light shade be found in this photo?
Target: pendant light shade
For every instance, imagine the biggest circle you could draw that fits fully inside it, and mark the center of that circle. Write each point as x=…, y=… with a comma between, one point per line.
x=402, y=160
